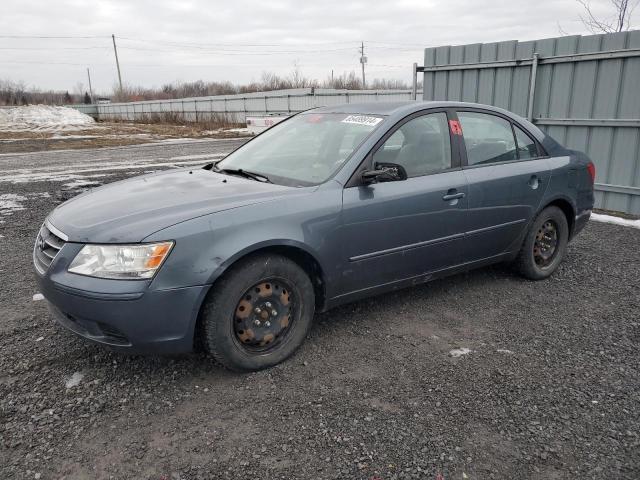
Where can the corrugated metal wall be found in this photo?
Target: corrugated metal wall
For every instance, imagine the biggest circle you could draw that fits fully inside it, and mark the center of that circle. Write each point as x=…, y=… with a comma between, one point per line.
x=237, y=107
x=589, y=103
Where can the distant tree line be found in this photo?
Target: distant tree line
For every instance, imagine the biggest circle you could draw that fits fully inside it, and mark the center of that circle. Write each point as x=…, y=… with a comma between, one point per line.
x=268, y=82
x=16, y=93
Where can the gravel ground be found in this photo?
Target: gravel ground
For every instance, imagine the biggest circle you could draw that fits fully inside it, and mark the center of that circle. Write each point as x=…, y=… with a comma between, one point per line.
x=382, y=389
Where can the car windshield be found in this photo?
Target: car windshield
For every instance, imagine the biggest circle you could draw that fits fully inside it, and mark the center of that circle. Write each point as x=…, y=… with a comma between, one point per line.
x=304, y=150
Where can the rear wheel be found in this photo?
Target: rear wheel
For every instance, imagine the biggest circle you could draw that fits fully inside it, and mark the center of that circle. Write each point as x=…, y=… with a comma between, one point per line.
x=258, y=313
x=545, y=245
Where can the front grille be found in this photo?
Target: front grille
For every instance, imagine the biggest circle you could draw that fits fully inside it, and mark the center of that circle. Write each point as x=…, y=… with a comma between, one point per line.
x=48, y=244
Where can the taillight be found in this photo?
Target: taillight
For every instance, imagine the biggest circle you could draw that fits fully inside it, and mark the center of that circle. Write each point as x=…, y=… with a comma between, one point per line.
x=591, y=168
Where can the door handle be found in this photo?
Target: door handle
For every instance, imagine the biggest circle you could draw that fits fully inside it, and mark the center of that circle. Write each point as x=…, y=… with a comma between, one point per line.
x=534, y=182
x=453, y=196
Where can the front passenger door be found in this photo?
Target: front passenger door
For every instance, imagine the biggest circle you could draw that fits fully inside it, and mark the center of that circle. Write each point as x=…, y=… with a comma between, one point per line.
x=404, y=229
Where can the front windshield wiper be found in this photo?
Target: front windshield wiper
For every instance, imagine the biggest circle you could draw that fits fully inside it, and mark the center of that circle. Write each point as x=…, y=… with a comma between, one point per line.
x=243, y=173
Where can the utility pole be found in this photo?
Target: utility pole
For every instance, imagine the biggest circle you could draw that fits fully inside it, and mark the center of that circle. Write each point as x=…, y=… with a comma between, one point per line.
x=90, y=89
x=115, y=50
x=363, y=60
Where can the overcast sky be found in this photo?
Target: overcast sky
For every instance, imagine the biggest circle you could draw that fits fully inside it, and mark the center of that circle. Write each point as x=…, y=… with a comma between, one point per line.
x=160, y=41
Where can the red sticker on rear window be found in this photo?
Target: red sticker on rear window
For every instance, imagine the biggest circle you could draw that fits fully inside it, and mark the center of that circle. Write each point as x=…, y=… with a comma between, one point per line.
x=455, y=127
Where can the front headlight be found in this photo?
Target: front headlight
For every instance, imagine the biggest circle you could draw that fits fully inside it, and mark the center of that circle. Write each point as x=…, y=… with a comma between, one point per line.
x=124, y=262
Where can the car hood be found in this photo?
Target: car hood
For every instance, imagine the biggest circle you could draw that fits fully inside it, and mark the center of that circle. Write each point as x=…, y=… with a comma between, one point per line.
x=132, y=209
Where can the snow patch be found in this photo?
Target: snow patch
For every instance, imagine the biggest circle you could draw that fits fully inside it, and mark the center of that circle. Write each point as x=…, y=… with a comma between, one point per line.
x=72, y=137
x=81, y=184
x=504, y=350
x=625, y=222
x=52, y=174
x=27, y=176
x=11, y=202
x=74, y=380
x=202, y=156
x=39, y=195
x=178, y=140
x=37, y=297
x=458, y=352
x=217, y=131
x=43, y=118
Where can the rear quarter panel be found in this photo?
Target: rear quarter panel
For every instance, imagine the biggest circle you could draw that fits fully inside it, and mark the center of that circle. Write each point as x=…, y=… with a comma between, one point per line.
x=570, y=181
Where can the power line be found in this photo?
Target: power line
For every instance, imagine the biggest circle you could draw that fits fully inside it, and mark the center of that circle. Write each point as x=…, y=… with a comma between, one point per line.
x=235, y=44
x=53, y=36
x=21, y=62
x=165, y=65
x=217, y=44
x=397, y=43
x=53, y=48
x=238, y=52
x=238, y=44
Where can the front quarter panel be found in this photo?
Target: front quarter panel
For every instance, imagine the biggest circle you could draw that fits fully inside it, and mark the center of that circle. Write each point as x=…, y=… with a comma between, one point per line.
x=206, y=246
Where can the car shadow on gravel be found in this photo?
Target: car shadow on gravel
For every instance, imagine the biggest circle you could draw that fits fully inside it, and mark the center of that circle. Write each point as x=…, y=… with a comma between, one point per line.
x=327, y=325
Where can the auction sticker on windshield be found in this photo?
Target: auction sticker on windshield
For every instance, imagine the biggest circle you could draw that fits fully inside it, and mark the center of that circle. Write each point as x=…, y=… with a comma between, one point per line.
x=362, y=120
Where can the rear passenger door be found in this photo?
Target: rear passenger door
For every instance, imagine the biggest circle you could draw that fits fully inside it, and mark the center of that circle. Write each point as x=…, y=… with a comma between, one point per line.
x=507, y=173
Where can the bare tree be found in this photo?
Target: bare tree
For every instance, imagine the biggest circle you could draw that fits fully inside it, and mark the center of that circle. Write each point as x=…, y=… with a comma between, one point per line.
x=78, y=92
x=619, y=21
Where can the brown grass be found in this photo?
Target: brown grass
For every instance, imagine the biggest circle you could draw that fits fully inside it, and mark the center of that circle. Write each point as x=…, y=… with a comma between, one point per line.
x=205, y=121
x=108, y=134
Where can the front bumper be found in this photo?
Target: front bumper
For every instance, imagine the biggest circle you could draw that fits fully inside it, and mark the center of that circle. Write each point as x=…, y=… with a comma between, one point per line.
x=151, y=321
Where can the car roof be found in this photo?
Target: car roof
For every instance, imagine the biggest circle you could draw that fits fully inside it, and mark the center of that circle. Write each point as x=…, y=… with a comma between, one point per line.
x=398, y=110
x=404, y=107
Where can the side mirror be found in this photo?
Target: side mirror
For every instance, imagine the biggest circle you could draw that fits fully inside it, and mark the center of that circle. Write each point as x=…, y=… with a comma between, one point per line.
x=384, y=172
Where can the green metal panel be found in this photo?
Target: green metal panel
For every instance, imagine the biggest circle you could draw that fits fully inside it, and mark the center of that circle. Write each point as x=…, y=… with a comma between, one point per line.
x=470, y=77
x=504, y=77
x=456, y=55
x=569, y=95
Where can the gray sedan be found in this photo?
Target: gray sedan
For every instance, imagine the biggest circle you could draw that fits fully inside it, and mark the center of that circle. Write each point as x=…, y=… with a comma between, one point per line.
x=327, y=207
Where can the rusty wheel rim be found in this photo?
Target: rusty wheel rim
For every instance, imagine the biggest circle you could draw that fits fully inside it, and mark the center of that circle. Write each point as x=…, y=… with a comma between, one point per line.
x=545, y=246
x=263, y=315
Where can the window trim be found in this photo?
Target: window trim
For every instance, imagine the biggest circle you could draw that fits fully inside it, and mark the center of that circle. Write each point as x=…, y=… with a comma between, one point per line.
x=367, y=162
x=542, y=154
x=515, y=138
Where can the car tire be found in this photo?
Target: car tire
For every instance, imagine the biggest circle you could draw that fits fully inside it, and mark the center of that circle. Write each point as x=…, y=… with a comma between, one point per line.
x=544, y=246
x=280, y=291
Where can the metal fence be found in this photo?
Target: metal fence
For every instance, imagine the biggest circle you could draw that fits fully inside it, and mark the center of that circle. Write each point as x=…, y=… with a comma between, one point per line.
x=238, y=107
x=583, y=90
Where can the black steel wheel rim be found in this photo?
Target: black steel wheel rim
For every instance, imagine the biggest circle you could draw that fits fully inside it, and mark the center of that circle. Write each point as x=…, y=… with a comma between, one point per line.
x=545, y=246
x=264, y=315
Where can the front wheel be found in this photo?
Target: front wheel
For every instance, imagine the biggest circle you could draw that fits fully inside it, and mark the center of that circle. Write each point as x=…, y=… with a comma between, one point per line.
x=258, y=313
x=545, y=245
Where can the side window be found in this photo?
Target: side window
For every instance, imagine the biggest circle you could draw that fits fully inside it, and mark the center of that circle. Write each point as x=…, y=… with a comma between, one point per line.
x=421, y=145
x=526, y=146
x=488, y=138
